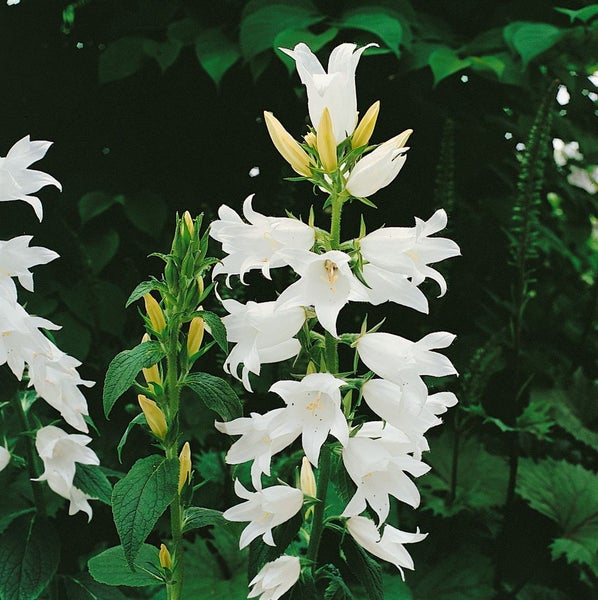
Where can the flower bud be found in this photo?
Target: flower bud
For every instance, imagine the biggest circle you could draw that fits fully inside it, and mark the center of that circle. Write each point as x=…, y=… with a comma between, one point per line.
x=310, y=139
x=307, y=479
x=363, y=132
x=152, y=375
x=184, y=466
x=326, y=142
x=154, y=312
x=288, y=147
x=189, y=222
x=165, y=558
x=195, y=336
x=154, y=416
x=200, y=286
x=4, y=457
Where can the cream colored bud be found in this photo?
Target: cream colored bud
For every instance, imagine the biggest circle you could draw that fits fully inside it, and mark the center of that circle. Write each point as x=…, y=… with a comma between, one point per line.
x=311, y=368
x=200, y=285
x=154, y=416
x=288, y=147
x=146, y=338
x=310, y=139
x=189, y=222
x=154, y=312
x=152, y=375
x=363, y=132
x=307, y=479
x=326, y=142
x=401, y=139
x=195, y=336
x=165, y=558
x=184, y=466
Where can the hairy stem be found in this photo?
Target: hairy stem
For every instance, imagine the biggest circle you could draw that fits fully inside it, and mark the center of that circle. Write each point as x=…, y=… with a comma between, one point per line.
x=317, y=527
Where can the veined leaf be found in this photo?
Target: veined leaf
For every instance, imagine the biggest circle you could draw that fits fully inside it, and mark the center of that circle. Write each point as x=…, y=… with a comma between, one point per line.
x=216, y=394
x=85, y=588
x=216, y=53
x=121, y=58
x=583, y=14
x=111, y=567
x=377, y=20
x=531, y=39
x=143, y=288
x=196, y=517
x=136, y=420
x=444, y=62
x=92, y=480
x=366, y=570
x=217, y=329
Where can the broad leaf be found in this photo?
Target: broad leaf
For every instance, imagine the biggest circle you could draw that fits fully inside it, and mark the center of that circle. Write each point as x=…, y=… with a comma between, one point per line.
x=111, y=567
x=216, y=53
x=378, y=21
x=216, y=394
x=583, y=14
x=101, y=248
x=147, y=212
x=121, y=58
x=366, y=570
x=184, y=31
x=85, y=588
x=93, y=204
x=531, y=39
x=144, y=288
x=140, y=498
x=196, y=517
x=164, y=53
x=444, y=62
x=217, y=329
x=488, y=63
x=92, y=480
x=136, y=420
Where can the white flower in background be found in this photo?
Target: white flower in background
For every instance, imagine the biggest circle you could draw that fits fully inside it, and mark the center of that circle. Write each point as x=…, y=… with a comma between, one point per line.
x=12, y=2
x=263, y=333
x=378, y=168
x=409, y=250
x=313, y=410
x=257, y=244
x=389, y=546
x=4, y=457
x=562, y=96
x=258, y=442
x=17, y=181
x=563, y=153
x=17, y=257
x=586, y=179
x=334, y=89
x=327, y=283
x=275, y=578
x=59, y=452
x=264, y=509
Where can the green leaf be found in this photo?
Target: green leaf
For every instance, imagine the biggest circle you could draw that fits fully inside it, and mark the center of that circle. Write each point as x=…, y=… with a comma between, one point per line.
x=147, y=212
x=73, y=337
x=164, y=53
x=263, y=20
x=395, y=587
x=92, y=480
x=124, y=368
x=217, y=329
x=101, y=247
x=583, y=14
x=95, y=203
x=531, y=39
x=138, y=419
x=216, y=394
x=140, y=498
x=488, y=63
x=7, y=519
x=29, y=556
x=376, y=20
x=121, y=58
x=289, y=38
x=444, y=62
x=144, y=288
x=85, y=588
x=216, y=53
x=184, y=31
x=196, y=517
x=111, y=567
x=366, y=570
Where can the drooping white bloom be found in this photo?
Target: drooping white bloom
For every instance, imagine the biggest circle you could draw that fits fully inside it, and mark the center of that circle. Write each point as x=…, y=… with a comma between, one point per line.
x=59, y=452
x=264, y=509
x=4, y=457
x=17, y=257
x=17, y=181
x=389, y=546
x=563, y=152
x=327, y=283
x=275, y=578
x=378, y=168
x=586, y=179
x=258, y=442
x=257, y=244
x=409, y=250
x=334, y=89
x=563, y=96
x=313, y=410
x=263, y=333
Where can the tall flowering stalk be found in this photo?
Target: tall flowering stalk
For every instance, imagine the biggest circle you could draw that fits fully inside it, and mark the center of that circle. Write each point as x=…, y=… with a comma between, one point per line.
x=323, y=406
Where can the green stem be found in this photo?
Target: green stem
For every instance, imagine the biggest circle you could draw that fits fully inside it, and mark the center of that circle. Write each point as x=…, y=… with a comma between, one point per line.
x=176, y=525
x=335, y=222
x=317, y=526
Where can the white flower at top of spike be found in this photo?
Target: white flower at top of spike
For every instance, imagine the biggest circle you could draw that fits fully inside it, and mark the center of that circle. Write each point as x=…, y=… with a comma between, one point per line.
x=59, y=452
x=275, y=578
x=563, y=152
x=4, y=457
x=389, y=546
x=327, y=283
x=409, y=250
x=257, y=244
x=334, y=89
x=17, y=181
x=314, y=410
x=264, y=509
x=263, y=333
x=17, y=257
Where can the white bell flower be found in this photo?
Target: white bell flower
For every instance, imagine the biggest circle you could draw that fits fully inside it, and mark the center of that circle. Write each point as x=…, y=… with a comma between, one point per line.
x=409, y=250
x=275, y=578
x=256, y=244
x=334, y=89
x=586, y=179
x=389, y=546
x=265, y=509
x=563, y=152
x=59, y=452
x=17, y=181
x=313, y=410
x=262, y=333
x=4, y=457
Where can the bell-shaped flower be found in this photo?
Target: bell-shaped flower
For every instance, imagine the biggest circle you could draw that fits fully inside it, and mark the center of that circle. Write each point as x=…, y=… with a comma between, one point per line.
x=334, y=89
x=4, y=457
x=313, y=410
x=258, y=243
x=17, y=257
x=59, y=452
x=563, y=152
x=275, y=578
x=409, y=250
x=258, y=441
x=378, y=168
x=327, y=283
x=17, y=181
x=265, y=509
x=262, y=333
x=389, y=546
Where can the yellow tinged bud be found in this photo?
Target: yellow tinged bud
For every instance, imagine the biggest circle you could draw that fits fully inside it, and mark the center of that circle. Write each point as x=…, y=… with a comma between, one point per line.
x=310, y=139
x=311, y=368
x=189, y=222
x=154, y=312
x=146, y=338
x=152, y=375
x=165, y=558
x=184, y=465
x=154, y=416
x=402, y=138
x=288, y=147
x=195, y=336
x=200, y=285
x=326, y=142
x=363, y=132
x=307, y=479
